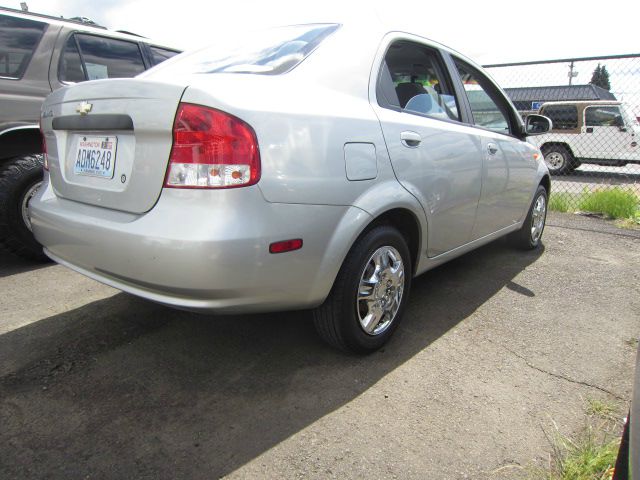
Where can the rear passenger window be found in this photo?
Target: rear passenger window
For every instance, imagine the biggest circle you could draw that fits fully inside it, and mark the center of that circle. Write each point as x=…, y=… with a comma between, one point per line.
x=109, y=57
x=70, y=63
x=487, y=105
x=161, y=54
x=98, y=58
x=413, y=79
x=564, y=117
x=18, y=40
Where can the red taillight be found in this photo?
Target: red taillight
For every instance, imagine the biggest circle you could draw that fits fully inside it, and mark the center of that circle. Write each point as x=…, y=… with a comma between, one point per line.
x=212, y=149
x=286, y=246
x=45, y=159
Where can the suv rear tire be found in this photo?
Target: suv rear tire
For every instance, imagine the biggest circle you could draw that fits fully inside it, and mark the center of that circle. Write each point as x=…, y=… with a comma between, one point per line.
x=559, y=159
x=19, y=179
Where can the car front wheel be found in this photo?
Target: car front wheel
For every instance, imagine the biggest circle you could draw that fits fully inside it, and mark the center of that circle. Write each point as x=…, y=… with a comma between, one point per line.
x=369, y=295
x=530, y=234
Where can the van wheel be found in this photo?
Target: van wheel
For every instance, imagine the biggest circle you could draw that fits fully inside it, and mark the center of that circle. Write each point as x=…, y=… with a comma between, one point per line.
x=369, y=295
x=559, y=159
x=20, y=178
x=530, y=235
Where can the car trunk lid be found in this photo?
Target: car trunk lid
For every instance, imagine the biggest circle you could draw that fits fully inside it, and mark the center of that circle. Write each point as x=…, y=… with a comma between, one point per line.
x=109, y=141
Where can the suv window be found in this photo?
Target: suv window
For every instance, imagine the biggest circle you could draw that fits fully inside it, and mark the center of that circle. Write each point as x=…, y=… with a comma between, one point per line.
x=487, y=105
x=71, y=69
x=18, y=40
x=564, y=117
x=602, y=116
x=412, y=79
x=159, y=55
x=99, y=57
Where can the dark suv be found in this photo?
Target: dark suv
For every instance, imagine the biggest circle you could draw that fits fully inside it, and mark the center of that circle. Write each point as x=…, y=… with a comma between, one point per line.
x=39, y=54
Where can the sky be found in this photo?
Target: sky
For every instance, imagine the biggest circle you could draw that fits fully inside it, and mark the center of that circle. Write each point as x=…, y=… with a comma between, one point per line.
x=488, y=31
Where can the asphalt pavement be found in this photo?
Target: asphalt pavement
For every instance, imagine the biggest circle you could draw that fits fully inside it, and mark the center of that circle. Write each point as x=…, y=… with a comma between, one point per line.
x=495, y=348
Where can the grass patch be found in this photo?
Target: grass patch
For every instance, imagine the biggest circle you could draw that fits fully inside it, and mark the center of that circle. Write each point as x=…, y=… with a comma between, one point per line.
x=614, y=203
x=562, y=202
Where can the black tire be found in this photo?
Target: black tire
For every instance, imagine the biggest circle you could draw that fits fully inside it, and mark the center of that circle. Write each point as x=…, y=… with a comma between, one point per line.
x=337, y=320
x=559, y=159
x=17, y=177
x=525, y=238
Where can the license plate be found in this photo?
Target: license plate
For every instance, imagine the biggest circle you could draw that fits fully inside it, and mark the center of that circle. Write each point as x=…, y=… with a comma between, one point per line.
x=96, y=156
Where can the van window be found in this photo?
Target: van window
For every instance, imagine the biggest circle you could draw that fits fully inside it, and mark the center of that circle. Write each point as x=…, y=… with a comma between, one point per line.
x=18, y=40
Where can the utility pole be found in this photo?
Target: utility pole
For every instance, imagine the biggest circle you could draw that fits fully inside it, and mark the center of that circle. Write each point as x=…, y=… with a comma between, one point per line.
x=572, y=74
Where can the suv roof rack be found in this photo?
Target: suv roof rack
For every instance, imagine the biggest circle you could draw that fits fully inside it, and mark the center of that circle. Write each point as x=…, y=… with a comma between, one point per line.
x=77, y=20
x=126, y=32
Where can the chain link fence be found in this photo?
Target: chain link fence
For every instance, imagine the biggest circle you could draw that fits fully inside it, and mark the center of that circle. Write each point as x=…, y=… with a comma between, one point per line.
x=594, y=104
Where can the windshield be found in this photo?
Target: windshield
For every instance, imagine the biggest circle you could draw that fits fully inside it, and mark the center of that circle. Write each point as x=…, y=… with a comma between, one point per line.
x=630, y=117
x=268, y=52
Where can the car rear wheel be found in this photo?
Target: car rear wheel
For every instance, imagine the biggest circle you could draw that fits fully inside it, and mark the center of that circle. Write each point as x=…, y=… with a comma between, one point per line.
x=559, y=159
x=20, y=179
x=530, y=235
x=368, y=297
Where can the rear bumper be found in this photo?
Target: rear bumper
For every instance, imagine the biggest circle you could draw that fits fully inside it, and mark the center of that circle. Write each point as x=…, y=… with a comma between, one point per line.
x=202, y=250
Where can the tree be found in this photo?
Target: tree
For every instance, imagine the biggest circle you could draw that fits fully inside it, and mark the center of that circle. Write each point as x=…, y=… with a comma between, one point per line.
x=600, y=77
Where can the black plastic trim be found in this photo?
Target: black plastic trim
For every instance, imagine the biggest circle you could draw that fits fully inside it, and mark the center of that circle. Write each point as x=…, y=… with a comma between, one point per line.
x=103, y=122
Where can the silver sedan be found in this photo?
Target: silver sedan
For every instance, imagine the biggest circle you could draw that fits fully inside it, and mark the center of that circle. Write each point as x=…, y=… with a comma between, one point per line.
x=311, y=166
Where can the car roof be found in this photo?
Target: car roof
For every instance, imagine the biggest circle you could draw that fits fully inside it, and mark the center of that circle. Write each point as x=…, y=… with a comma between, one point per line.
x=81, y=26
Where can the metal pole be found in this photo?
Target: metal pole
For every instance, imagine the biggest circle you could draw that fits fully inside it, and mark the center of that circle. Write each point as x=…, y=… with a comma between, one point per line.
x=571, y=72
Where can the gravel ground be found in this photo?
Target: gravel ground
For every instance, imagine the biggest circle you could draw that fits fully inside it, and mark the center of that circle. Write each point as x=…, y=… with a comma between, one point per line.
x=495, y=347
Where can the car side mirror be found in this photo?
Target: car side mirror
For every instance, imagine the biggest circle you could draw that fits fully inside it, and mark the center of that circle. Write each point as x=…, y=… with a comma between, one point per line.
x=536, y=124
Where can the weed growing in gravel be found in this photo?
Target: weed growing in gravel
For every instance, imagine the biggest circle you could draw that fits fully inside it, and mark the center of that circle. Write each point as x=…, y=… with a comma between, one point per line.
x=632, y=342
x=602, y=408
x=589, y=455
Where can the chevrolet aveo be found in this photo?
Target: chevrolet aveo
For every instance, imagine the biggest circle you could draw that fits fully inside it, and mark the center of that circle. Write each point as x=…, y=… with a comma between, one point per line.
x=312, y=166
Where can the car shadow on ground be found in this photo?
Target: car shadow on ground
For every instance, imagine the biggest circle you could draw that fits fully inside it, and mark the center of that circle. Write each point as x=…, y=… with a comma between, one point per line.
x=123, y=388
x=11, y=264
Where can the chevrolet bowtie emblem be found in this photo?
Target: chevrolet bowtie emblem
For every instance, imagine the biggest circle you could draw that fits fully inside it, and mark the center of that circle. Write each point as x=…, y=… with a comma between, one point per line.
x=84, y=108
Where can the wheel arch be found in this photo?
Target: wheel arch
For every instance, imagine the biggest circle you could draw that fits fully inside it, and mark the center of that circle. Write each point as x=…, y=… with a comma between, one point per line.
x=546, y=183
x=19, y=140
x=405, y=221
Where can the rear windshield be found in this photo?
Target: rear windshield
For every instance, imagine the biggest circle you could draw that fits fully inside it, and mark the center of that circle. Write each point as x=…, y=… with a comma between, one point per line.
x=268, y=52
x=18, y=39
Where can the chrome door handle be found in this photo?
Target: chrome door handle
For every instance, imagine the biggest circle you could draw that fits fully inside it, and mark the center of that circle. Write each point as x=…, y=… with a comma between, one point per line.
x=410, y=139
x=492, y=148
